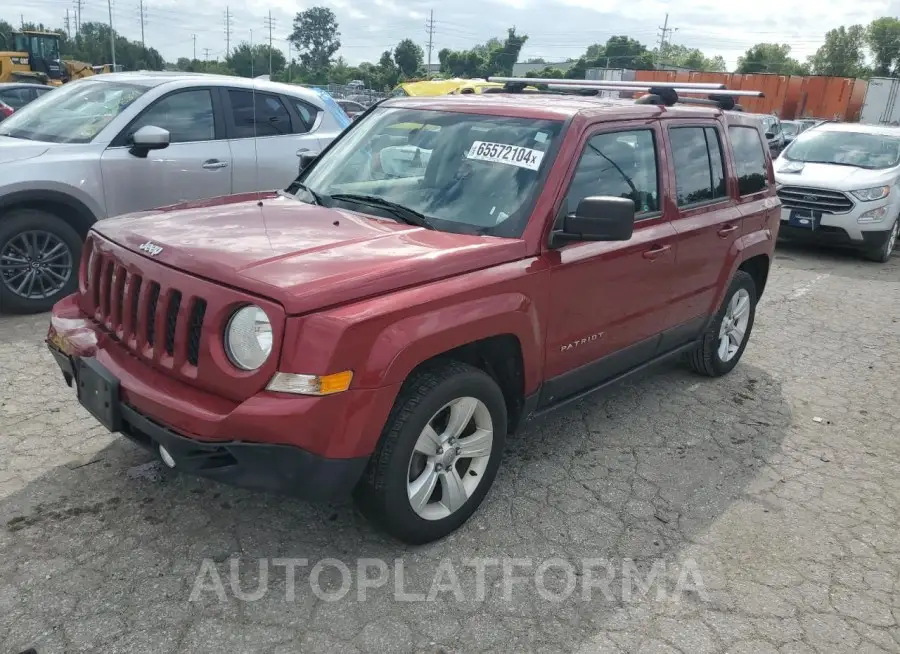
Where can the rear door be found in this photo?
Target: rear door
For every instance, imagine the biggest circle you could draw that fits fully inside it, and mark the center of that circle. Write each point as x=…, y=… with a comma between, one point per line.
x=608, y=301
x=266, y=135
x=196, y=165
x=708, y=221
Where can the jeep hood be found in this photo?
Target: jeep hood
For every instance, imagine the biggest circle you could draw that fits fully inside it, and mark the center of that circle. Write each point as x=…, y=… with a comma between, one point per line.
x=830, y=176
x=303, y=256
x=12, y=150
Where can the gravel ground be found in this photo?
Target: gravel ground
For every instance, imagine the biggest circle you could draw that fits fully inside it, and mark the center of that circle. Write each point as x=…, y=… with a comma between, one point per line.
x=755, y=513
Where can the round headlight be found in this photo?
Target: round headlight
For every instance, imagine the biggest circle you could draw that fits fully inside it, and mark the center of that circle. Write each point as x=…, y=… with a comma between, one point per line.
x=248, y=338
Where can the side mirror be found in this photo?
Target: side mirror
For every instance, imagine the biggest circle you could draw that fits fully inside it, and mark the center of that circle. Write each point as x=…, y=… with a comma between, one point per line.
x=769, y=136
x=306, y=159
x=600, y=218
x=149, y=138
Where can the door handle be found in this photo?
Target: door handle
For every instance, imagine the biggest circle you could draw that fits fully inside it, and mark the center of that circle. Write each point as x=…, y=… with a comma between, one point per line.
x=728, y=229
x=303, y=151
x=213, y=164
x=656, y=251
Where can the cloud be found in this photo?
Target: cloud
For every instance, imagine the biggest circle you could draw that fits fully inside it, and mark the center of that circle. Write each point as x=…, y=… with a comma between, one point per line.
x=557, y=29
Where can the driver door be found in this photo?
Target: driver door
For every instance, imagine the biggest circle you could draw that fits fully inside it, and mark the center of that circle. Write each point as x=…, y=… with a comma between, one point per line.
x=196, y=165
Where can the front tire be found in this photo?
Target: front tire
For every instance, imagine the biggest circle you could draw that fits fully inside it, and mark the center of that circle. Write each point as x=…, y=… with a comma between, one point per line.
x=438, y=454
x=723, y=343
x=883, y=254
x=39, y=258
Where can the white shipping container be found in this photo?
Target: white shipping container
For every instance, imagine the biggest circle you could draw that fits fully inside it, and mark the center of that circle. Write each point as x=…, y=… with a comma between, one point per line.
x=882, y=103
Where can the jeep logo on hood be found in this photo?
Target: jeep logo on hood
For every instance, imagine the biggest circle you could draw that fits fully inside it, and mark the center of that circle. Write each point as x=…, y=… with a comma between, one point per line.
x=150, y=248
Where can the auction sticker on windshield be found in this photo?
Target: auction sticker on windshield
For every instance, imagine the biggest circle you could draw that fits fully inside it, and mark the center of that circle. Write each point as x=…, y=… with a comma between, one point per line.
x=512, y=155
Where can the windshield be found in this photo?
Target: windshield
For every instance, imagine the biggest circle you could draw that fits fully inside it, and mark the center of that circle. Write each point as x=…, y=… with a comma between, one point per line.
x=463, y=172
x=73, y=113
x=790, y=129
x=873, y=151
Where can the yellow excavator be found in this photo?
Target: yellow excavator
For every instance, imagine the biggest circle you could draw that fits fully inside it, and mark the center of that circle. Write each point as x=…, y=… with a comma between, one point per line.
x=35, y=59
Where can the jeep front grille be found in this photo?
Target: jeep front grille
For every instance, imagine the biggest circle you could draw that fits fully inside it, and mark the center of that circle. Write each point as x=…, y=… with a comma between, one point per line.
x=816, y=199
x=144, y=316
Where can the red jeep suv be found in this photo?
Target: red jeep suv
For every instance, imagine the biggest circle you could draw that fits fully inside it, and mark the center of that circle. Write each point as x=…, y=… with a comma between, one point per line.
x=447, y=268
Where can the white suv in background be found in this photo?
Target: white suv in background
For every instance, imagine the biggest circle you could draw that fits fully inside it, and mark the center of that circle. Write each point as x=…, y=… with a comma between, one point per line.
x=838, y=185
x=124, y=142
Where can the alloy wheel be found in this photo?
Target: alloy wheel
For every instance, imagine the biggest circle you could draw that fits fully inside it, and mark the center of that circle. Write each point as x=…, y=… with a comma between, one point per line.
x=734, y=325
x=449, y=458
x=35, y=264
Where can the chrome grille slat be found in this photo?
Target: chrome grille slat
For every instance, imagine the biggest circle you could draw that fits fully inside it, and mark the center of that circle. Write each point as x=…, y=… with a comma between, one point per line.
x=815, y=199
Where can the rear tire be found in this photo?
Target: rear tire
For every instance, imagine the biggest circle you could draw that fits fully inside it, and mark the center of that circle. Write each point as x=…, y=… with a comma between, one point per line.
x=447, y=410
x=883, y=254
x=719, y=350
x=29, y=237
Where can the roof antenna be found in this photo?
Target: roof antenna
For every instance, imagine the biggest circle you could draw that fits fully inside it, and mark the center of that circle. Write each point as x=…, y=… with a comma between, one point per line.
x=255, y=135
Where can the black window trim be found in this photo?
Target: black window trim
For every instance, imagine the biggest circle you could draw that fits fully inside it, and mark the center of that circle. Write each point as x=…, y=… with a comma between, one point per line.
x=289, y=101
x=122, y=139
x=764, y=146
x=638, y=217
x=231, y=128
x=701, y=203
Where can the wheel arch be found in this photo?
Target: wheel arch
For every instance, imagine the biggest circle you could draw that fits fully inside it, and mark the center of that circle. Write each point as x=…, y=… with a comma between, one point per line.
x=62, y=205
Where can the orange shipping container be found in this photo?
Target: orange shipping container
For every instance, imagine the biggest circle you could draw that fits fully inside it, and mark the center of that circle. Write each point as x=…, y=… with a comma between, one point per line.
x=831, y=98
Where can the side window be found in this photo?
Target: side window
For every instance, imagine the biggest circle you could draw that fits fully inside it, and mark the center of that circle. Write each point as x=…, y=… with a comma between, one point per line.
x=270, y=115
x=16, y=98
x=620, y=164
x=749, y=159
x=699, y=168
x=307, y=114
x=187, y=115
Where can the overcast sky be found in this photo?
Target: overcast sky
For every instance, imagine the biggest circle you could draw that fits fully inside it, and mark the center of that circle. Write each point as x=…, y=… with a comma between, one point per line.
x=557, y=29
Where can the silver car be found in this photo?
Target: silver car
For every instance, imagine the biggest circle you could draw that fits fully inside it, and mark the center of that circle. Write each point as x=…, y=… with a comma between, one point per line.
x=123, y=142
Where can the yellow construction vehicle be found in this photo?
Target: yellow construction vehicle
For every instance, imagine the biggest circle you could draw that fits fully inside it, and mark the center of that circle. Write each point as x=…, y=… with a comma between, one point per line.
x=35, y=58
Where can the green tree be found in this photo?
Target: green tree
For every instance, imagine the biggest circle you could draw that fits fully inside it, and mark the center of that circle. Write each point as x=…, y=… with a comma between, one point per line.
x=500, y=60
x=387, y=71
x=770, y=58
x=548, y=72
x=842, y=54
x=409, y=58
x=883, y=39
x=317, y=39
x=684, y=57
x=536, y=60
x=252, y=61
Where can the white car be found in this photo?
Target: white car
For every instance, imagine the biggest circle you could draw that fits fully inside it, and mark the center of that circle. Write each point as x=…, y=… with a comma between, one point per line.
x=118, y=143
x=838, y=185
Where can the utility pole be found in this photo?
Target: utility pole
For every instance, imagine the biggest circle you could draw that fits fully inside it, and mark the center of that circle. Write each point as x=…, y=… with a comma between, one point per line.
x=77, y=4
x=112, y=36
x=22, y=20
x=430, y=27
x=227, y=33
x=662, y=38
x=194, y=37
x=206, y=54
x=142, y=24
x=270, y=22
x=68, y=30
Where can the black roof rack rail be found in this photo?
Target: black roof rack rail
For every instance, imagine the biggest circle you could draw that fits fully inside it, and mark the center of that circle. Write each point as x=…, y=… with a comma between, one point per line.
x=656, y=93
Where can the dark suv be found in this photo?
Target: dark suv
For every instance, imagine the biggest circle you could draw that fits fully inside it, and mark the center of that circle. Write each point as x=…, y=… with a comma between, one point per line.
x=447, y=268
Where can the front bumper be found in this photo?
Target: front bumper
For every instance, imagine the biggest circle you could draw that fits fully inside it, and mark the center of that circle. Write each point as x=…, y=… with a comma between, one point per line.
x=275, y=468
x=841, y=230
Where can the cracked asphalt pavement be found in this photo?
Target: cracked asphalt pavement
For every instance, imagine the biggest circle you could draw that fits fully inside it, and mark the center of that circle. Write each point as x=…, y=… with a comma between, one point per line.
x=779, y=483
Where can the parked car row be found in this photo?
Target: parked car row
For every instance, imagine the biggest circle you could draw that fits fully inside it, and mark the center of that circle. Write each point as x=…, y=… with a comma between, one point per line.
x=15, y=95
x=124, y=142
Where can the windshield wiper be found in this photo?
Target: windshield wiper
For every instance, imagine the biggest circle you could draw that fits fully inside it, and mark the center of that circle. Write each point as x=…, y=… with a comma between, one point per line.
x=835, y=163
x=317, y=199
x=404, y=213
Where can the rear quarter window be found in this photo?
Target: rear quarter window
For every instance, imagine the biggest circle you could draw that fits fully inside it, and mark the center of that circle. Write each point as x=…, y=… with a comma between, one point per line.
x=749, y=159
